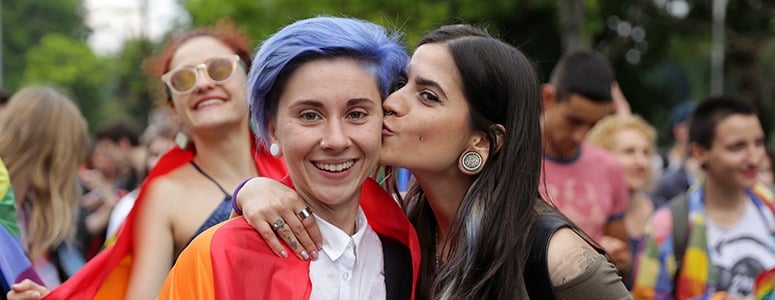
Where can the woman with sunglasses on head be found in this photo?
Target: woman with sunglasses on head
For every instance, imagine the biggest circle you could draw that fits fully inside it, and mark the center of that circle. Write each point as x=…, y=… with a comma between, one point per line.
x=204, y=73
x=466, y=123
x=316, y=92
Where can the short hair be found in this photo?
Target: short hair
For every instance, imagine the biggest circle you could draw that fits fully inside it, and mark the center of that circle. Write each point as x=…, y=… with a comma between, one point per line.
x=118, y=130
x=604, y=131
x=379, y=52
x=585, y=73
x=707, y=115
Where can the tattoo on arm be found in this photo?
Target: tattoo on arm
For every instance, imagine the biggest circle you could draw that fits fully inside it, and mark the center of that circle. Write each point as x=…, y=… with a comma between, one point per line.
x=574, y=262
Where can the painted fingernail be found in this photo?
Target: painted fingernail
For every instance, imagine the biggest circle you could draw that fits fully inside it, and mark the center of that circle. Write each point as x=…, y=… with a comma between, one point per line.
x=283, y=254
x=304, y=255
x=320, y=246
x=314, y=255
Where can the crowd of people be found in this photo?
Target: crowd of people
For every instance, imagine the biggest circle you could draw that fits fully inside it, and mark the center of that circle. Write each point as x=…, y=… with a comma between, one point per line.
x=275, y=175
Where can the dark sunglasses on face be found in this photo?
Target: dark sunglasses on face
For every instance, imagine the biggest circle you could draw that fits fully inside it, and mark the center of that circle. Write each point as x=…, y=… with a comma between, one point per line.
x=182, y=80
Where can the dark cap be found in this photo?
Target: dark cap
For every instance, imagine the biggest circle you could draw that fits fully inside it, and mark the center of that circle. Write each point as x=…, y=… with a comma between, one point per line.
x=681, y=112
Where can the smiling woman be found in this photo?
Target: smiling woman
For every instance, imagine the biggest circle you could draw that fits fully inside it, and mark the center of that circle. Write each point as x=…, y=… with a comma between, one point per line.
x=316, y=91
x=633, y=142
x=205, y=71
x=465, y=120
x=329, y=134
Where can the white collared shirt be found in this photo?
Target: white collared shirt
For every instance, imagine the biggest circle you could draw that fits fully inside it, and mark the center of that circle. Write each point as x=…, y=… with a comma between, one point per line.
x=349, y=267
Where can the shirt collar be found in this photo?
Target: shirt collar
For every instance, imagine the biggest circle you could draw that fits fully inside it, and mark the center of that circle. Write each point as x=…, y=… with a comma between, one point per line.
x=335, y=241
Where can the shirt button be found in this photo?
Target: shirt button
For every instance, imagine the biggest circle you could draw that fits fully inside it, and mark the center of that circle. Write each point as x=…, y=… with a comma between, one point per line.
x=345, y=276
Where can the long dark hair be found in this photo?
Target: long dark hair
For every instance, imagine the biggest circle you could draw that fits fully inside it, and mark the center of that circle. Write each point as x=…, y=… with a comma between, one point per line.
x=487, y=249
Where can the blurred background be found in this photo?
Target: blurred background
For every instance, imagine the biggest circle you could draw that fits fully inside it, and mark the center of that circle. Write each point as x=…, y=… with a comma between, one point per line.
x=664, y=51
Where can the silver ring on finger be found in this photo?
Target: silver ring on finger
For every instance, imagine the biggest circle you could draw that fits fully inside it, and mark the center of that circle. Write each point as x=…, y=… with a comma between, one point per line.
x=305, y=213
x=279, y=224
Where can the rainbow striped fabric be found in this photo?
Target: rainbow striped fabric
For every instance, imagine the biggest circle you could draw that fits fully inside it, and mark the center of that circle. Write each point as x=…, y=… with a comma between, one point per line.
x=655, y=266
x=14, y=264
x=231, y=261
x=106, y=276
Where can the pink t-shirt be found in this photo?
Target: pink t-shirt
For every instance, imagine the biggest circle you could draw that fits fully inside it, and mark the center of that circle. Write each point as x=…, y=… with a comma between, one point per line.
x=589, y=189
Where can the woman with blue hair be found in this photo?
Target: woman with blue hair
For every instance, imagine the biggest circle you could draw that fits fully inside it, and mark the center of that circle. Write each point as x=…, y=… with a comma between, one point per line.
x=465, y=120
x=316, y=91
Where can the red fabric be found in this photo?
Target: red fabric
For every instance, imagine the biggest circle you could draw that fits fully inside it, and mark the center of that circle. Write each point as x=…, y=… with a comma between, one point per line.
x=106, y=276
x=243, y=266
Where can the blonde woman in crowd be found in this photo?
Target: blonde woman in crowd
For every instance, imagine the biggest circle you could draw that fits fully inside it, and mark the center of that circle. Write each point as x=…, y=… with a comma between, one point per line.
x=633, y=141
x=43, y=140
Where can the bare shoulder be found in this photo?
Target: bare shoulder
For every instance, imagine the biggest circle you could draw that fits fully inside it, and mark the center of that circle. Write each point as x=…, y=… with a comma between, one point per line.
x=568, y=256
x=176, y=182
x=163, y=196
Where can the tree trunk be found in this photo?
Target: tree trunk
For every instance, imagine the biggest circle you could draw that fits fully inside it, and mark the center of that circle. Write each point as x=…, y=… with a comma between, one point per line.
x=572, y=15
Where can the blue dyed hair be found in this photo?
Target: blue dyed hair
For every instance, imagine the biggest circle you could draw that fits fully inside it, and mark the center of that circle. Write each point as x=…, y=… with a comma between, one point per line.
x=371, y=45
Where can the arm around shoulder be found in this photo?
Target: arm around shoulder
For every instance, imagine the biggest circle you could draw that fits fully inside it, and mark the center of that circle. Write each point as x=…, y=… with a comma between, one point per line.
x=578, y=271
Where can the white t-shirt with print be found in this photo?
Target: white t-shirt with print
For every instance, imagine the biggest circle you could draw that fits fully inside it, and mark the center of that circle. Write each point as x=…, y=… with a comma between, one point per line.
x=742, y=251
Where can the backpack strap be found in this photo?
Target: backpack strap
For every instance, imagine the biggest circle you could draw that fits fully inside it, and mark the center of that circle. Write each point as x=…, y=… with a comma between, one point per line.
x=537, y=280
x=679, y=209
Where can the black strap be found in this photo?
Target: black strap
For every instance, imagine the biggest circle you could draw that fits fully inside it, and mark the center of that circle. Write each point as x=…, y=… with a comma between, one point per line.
x=679, y=209
x=209, y=177
x=398, y=269
x=537, y=279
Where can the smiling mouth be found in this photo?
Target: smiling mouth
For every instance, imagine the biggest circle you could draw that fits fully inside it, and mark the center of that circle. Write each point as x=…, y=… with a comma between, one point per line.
x=208, y=103
x=335, y=167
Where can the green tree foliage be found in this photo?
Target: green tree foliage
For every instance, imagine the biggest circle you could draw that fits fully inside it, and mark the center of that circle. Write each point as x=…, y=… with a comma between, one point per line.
x=71, y=65
x=674, y=56
x=25, y=22
x=262, y=18
x=531, y=25
x=133, y=87
x=661, y=56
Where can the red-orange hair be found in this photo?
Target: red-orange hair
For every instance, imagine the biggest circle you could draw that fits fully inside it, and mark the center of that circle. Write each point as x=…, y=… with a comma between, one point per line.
x=224, y=31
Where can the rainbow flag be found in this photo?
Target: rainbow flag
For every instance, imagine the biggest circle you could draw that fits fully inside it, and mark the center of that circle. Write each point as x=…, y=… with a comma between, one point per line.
x=763, y=286
x=106, y=276
x=14, y=264
x=231, y=261
x=7, y=203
